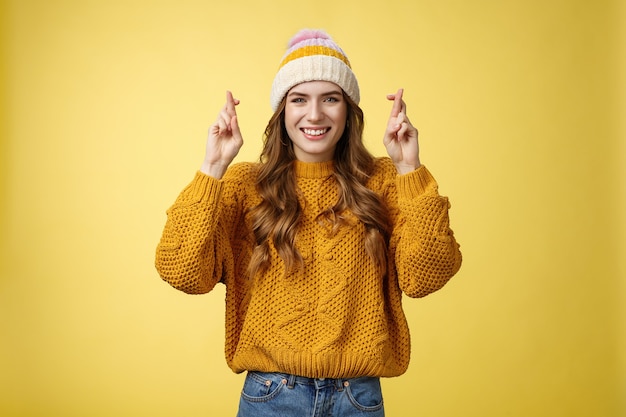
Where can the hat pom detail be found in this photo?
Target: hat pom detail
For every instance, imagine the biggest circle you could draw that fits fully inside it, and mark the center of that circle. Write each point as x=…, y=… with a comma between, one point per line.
x=306, y=34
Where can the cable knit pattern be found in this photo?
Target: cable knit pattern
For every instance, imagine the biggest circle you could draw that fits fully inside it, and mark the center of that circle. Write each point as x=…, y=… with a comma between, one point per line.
x=334, y=318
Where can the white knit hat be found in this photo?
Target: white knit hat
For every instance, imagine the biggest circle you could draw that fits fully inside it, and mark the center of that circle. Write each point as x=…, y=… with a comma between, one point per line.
x=313, y=56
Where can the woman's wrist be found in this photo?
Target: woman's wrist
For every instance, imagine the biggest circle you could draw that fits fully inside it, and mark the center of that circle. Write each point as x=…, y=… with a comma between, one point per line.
x=214, y=170
x=405, y=169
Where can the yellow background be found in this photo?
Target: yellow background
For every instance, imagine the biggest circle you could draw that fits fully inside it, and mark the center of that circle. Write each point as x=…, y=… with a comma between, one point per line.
x=104, y=111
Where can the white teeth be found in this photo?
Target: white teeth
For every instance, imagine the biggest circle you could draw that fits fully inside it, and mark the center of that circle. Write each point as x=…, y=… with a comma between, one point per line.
x=315, y=132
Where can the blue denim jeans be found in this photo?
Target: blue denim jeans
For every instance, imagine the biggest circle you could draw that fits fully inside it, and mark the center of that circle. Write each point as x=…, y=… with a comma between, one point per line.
x=281, y=395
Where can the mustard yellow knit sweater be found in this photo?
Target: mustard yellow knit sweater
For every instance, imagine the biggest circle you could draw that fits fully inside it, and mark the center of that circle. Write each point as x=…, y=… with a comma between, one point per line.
x=335, y=317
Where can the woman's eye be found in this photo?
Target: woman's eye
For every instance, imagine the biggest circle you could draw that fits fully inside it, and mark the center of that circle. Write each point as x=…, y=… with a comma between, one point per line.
x=298, y=100
x=332, y=99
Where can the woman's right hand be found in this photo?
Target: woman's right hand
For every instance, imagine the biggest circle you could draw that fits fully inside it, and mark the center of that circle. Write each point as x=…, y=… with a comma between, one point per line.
x=224, y=140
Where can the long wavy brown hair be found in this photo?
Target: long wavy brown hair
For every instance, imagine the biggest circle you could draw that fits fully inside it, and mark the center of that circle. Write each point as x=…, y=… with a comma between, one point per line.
x=277, y=217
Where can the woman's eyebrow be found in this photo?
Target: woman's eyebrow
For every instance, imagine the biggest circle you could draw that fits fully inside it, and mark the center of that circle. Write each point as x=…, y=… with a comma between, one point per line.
x=326, y=94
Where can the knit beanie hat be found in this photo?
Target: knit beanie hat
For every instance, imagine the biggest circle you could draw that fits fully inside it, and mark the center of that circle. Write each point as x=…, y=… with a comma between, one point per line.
x=312, y=55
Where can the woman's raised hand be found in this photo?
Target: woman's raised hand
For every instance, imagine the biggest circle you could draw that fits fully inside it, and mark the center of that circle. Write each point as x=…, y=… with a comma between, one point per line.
x=224, y=140
x=401, y=136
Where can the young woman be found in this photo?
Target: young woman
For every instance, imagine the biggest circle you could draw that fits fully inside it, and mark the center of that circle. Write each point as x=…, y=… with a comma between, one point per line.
x=316, y=243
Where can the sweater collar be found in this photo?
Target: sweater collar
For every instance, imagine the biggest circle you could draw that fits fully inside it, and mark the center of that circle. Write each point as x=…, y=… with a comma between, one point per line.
x=314, y=169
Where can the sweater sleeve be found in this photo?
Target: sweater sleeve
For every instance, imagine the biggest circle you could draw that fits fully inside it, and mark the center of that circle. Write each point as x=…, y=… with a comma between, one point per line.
x=426, y=253
x=190, y=253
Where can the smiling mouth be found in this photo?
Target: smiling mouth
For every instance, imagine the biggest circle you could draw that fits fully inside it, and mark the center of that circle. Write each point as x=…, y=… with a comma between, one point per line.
x=315, y=132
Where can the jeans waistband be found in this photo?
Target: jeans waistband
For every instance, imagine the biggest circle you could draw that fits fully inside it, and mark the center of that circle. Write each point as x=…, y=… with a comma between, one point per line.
x=291, y=380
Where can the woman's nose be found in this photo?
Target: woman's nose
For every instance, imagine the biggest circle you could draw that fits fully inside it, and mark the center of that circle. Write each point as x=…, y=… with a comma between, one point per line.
x=315, y=112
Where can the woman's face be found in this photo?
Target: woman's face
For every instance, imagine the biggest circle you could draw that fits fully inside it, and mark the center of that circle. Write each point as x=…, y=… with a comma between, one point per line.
x=315, y=118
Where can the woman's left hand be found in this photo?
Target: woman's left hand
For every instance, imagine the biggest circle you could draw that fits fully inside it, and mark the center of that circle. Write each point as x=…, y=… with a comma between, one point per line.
x=401, y=137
